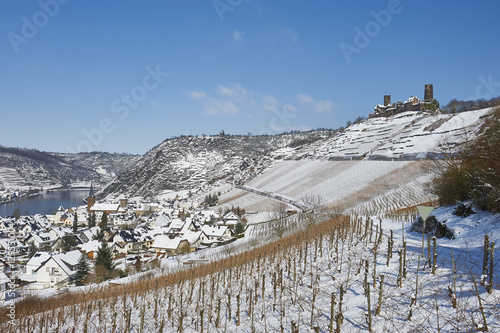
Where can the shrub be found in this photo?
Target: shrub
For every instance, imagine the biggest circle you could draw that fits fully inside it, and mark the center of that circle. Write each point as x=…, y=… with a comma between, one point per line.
x=473, y=173
x=463, y=210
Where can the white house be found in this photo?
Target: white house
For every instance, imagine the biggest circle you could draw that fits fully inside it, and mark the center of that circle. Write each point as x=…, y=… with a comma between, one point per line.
x=217, y=233
x=54, y=270
x=88, y=235
x=161, y=221
x=195, y=238
x=4, y=280
x=230, y=219
x=45, y=240
x=12, y=245
x=171, y=246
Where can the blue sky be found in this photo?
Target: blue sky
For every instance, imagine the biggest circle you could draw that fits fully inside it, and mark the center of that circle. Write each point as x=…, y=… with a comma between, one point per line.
x=122, y=76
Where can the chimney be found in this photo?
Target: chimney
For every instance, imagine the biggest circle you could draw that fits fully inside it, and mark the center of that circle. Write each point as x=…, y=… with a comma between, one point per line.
x=429, y=92
x=387, y=100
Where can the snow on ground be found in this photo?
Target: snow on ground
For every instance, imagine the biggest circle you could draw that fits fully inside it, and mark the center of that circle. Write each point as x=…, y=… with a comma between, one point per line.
x=306, y=280
x=340, y=183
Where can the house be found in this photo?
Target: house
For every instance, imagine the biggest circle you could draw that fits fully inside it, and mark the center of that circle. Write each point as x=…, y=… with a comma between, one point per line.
x=195, y=238
x=162, y=221
x=4, y=281
x=170, y=246
x=143, y=209
x=45, y=240
x=89, y=234
x=11, y=245
x=100, y=208
x=55, y=270
x=129, y=238
x=91, y=248
x=217, y=233
x=230, y=219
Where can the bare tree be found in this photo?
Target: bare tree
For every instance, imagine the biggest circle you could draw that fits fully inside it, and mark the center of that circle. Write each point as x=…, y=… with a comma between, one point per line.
x=314, y=209
x=278, y=217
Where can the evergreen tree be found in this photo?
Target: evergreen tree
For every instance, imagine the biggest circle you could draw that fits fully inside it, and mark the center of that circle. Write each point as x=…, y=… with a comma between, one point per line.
x=32, y=250
x=82, y=269
x=105, y=257
x=92, y=220
x=239, y=227
x=75, y=222
x=104, y=221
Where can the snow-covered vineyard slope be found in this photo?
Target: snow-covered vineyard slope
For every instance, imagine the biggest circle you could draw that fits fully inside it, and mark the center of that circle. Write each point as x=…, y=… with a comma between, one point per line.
x=328, y=278
x=365, y=186
x=408, y=135
x=372, y=167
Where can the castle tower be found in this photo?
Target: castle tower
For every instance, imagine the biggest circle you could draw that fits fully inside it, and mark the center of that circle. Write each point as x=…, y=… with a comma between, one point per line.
x=387, y=100
x=429, y=92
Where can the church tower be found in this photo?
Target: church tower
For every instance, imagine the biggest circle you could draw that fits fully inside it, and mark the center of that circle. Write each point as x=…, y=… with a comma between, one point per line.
x=91, y=198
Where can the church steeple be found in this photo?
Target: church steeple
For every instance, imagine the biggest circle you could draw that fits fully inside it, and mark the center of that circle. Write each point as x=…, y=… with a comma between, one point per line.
x=91, y=198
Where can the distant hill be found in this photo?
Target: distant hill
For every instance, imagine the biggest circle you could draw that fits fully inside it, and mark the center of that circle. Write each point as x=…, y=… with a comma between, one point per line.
x=191, y=162
x=32, y=168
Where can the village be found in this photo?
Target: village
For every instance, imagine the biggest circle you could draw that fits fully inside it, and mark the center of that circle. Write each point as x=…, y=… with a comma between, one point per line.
x=47, y=248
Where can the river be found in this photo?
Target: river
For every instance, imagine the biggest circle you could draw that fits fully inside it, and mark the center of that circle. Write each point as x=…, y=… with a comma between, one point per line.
x=45, y=203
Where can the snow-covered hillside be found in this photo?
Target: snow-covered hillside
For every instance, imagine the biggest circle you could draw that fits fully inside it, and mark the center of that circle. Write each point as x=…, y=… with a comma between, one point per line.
x=29, y=168
x=375, y=166
x=192, y=162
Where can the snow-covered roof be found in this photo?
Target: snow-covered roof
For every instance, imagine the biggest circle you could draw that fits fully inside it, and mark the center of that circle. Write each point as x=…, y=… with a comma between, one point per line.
x=91, y=246
x=101, y=207
x=192, y=236
x=7, y=243
x=3, y=278
x=217, y=231
x=231, y=216
x=39, y=258
x=68, y=260
x=162, y=221
x=44, y=237
x=167, y=243
x=177, y=224
x=410, y=100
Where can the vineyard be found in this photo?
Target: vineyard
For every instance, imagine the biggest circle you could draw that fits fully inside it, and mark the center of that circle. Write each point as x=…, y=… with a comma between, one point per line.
x=345, y=274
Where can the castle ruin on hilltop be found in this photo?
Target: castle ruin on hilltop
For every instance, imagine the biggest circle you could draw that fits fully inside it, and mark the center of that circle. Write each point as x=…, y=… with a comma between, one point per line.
x=411, y=104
